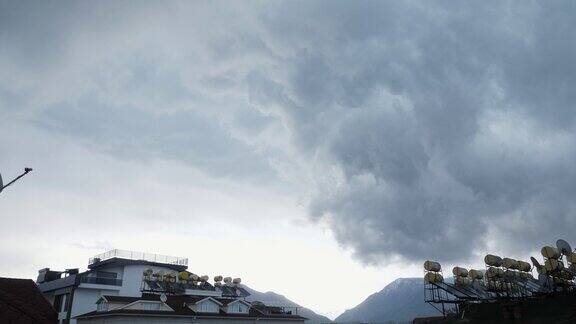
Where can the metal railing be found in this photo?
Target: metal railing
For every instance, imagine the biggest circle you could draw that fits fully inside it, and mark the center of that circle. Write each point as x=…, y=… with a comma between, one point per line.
x=133, y=255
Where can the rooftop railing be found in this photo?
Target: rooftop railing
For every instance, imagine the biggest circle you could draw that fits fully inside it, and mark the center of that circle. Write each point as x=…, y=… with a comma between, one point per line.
x=133, y=255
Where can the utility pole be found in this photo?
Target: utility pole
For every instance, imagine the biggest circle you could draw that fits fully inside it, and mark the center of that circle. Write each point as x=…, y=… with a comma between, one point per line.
x=3, y=186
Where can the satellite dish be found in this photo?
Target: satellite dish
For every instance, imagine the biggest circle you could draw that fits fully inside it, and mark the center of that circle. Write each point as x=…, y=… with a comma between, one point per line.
x=1, y=183
x=163, y=298
x=535, y=263
x=564, y=247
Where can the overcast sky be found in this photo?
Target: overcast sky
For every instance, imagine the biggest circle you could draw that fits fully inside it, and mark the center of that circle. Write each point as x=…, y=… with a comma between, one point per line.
x=304, y=146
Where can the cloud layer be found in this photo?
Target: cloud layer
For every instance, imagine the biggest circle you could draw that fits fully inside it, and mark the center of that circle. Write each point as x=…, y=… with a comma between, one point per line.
x=412, y=129
x=442, y=130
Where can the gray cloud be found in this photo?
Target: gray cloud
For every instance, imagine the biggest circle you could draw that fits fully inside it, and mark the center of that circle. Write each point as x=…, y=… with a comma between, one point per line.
x=447, y=123
x=422, y=129
x=137, y=134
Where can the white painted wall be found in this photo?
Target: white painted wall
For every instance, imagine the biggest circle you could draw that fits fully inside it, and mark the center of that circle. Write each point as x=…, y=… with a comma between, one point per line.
x=85, y=300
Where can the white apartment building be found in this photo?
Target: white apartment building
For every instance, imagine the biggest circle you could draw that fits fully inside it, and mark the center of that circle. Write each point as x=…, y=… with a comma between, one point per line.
x=133, y=287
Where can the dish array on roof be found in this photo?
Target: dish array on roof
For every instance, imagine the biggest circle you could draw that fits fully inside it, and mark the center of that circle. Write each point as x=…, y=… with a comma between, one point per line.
x=503, y=279
x=179, y=282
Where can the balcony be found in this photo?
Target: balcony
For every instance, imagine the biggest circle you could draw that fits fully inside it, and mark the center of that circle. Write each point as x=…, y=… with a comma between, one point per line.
x=101, y=281
x=132, y=255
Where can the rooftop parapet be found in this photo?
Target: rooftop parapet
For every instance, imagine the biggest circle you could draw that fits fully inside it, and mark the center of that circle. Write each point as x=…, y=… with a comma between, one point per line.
x=133, y=255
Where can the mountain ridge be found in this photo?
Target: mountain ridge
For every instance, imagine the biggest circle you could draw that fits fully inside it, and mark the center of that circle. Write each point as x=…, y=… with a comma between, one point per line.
x=400, y=301
x=270, y=296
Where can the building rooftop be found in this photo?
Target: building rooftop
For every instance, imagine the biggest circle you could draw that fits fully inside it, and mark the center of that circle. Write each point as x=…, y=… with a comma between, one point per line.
x=180, y=309
x=22, y=302
x=138, y=256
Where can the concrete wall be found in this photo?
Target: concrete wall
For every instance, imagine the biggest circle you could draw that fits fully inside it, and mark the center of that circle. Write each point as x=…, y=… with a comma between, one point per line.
x=85, y=300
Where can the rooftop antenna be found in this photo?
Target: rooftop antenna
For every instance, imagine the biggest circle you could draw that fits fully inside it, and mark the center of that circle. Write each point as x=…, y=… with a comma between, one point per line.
x=3, y=186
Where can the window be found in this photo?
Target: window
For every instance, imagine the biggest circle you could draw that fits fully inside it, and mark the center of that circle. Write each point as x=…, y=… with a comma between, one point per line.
x=61, y=302
x=237, y=308
x=106, y=274
x=67, y=302
x=207, y=306
x=58, y=303
x=103, y=307
x=151, y=306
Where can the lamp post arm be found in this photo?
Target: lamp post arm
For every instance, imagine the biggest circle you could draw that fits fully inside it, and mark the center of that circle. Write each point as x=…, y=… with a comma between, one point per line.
x=26, y=171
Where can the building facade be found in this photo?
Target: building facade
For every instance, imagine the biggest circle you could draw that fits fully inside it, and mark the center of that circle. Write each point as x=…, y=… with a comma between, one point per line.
x=153, y=308
x=132, y=287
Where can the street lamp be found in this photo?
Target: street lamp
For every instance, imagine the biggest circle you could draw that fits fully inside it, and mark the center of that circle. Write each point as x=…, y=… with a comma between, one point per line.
x=2, y=186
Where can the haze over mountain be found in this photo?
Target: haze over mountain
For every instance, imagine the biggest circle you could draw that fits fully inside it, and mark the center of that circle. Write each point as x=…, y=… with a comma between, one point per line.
x=400, y=301
x=273, y=297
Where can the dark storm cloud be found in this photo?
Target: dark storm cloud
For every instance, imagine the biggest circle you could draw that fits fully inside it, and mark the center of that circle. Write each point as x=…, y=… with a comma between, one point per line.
x=428, y=128
x=449, y=122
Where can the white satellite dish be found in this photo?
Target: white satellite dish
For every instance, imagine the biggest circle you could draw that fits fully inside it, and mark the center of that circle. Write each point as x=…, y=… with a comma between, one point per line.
x=564, y=247
x=163, y=298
